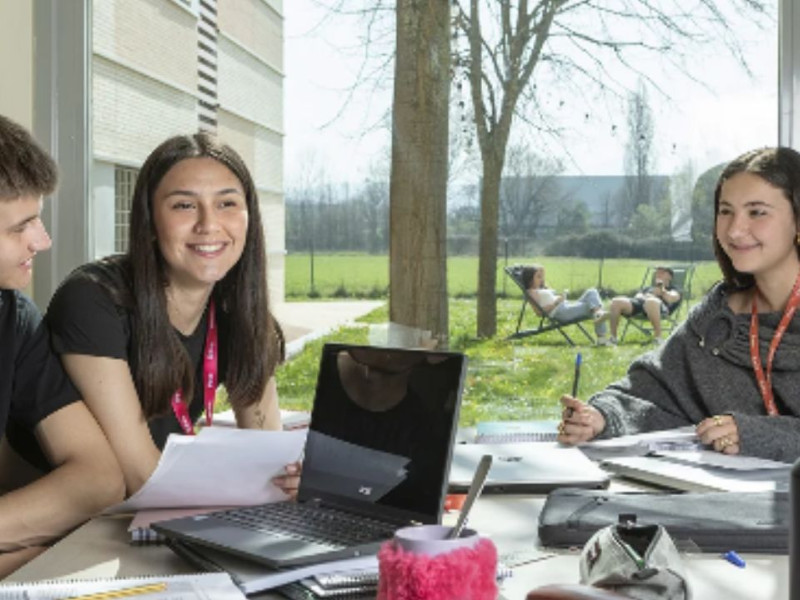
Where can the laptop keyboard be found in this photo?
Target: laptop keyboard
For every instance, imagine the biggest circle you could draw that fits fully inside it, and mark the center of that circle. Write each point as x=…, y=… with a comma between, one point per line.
x=310, y=523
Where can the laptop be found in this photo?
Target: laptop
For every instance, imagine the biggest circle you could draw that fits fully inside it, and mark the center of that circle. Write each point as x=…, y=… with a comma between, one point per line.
x=525, y=468
x=377, y=456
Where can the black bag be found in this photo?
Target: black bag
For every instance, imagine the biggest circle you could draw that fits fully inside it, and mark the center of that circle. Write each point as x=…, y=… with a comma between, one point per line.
x=713, y=521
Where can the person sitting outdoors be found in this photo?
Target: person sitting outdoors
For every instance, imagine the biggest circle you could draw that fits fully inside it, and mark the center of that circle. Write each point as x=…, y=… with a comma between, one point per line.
x=148, y=335
x=656, y=301
x=716, y=369
x=82, y=477
x=557, y=307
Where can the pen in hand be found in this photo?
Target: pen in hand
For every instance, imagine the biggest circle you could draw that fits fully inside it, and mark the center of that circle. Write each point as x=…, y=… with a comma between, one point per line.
x=577, y=377
x=575, y=380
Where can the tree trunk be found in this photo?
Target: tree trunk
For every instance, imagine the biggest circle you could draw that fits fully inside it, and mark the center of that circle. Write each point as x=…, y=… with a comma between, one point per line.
x=487, y=256
x=418, y=185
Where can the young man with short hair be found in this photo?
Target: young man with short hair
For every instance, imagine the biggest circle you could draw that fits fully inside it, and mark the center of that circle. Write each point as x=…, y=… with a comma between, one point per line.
x=35, y=393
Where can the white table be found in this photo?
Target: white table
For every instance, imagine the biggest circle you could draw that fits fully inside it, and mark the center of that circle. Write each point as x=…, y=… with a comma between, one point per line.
x=100, y=548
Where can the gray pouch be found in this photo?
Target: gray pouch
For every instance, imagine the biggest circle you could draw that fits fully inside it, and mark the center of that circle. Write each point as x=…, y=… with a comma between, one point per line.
x=640, y=562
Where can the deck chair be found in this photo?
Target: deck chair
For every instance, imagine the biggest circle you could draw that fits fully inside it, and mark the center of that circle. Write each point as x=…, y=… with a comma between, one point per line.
x=681, y=281
x=545, y=322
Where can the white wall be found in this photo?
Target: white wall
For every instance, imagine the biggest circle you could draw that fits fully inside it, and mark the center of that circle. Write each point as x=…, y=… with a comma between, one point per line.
x=16, y=61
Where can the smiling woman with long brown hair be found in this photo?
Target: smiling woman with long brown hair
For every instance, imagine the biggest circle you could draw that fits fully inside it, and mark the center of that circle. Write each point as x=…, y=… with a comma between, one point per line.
x=732, y=368
x=147, y=336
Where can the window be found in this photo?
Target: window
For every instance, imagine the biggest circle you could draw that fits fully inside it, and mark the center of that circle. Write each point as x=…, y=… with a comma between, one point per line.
x=124, y=180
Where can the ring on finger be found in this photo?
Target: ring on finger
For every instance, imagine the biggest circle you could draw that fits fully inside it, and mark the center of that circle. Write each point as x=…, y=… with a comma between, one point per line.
x=561, y=428
x=717, y=420
x=724, y=442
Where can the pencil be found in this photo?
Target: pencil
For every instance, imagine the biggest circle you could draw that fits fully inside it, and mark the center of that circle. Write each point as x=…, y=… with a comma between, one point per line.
x=138, y=590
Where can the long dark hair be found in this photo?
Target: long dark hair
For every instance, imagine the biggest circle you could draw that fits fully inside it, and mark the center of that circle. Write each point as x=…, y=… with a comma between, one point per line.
x=528, y=273
x=780, y=167
x=161, y=365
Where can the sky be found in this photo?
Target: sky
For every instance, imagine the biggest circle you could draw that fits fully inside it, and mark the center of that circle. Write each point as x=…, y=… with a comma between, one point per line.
x=709, y=121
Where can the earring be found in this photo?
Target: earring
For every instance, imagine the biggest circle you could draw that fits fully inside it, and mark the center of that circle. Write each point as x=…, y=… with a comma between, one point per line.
x=797, y=238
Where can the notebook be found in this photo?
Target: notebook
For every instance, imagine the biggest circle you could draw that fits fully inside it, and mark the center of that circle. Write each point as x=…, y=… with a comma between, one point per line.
x=497, y=432
x=252, y=577
x=377, y=456
x=199, y=586
x=525, y=467
x=297, y=591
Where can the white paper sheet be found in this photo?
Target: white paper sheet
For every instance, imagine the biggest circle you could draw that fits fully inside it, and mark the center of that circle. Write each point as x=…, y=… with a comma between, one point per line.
x=681, y=435
x=218, y=467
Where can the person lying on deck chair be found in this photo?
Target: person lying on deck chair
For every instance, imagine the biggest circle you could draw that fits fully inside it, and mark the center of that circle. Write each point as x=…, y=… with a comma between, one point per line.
x=558, y=307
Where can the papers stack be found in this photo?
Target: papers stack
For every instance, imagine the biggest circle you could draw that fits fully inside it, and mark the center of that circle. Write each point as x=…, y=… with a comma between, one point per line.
x=242, y=461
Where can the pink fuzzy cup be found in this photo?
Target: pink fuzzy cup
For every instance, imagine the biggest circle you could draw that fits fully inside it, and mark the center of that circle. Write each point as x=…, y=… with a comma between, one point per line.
x=420, y=563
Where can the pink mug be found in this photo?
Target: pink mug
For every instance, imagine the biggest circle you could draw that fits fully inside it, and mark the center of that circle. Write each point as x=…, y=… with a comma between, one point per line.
x=422, y=562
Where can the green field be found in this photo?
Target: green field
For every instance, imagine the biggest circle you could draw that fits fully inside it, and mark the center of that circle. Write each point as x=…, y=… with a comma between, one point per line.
x=367, y=276
x=518, y=379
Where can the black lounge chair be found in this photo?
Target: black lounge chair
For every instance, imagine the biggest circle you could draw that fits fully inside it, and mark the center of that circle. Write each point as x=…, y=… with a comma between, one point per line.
x=682, y=282
x=545, y=322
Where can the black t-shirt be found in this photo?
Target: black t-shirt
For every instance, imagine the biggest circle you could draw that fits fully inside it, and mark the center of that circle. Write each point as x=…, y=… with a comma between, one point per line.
x=33, y=384
x=84, y=319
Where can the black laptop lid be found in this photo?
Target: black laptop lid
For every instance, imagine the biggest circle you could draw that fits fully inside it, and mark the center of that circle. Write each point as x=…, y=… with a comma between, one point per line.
x=382, y=430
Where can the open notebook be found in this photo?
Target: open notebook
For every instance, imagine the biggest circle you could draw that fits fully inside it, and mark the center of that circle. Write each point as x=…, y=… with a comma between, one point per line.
x=200, y=586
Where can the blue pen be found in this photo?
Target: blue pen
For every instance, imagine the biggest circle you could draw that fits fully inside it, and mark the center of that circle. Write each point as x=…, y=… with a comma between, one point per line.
x=577, y=375
x=732, y=557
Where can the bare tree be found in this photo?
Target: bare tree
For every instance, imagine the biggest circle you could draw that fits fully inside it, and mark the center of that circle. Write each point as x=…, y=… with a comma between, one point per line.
x=528, y=192
x=418, y=187
x=577, y=41
x=639, y=152
x=376, y=199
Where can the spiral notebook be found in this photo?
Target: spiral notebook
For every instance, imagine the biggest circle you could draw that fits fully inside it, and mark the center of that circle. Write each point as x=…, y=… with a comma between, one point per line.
x=499, y=432
x=252, y=577
x=200, y=586
x=298, y=591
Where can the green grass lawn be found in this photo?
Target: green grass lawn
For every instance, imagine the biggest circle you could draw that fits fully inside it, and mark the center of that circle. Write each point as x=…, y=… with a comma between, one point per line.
x=367, y=276
x=520, y=379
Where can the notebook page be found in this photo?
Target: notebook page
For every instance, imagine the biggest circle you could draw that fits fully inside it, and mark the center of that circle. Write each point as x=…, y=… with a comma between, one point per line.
x=205, y=586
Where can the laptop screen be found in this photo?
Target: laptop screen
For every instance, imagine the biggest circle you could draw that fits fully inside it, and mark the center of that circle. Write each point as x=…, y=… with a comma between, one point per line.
x=382, y=429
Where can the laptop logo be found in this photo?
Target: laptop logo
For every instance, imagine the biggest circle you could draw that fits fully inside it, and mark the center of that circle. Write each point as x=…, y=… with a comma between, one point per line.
x=509, y=458
x=365, y=490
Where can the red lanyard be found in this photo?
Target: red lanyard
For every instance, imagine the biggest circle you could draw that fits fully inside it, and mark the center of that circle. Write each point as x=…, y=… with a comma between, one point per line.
x=210, y=378
x=765, y=381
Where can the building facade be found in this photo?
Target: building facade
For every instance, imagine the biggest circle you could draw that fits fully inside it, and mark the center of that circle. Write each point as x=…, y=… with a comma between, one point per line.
x=164, y=67
x=102, y=82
